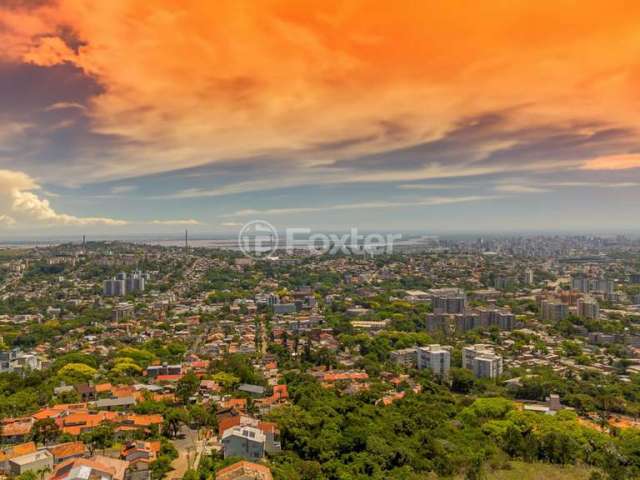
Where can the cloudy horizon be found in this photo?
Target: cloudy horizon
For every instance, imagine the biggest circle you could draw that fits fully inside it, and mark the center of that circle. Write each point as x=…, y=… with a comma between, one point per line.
x=131, y=116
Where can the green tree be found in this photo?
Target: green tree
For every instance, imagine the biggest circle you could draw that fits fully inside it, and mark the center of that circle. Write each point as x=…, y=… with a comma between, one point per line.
x=187, y=387
x=227, y=380
x=45, y=431
x=174, y=418
x=77, y=373
x=100, y=437
x=462, y=380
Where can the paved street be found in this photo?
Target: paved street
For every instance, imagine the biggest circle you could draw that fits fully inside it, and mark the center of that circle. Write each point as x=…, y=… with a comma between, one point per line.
x=189, y=451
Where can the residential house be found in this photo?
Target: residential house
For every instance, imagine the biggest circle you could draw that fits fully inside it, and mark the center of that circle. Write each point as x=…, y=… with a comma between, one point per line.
x=139, y=454
x=87, y=392
x=269, y=429
x=13, y=452
x=97, y=467
x=123, y=403
x=38, y=461
x=67, y=451
x=16, y=430
x=245, y=442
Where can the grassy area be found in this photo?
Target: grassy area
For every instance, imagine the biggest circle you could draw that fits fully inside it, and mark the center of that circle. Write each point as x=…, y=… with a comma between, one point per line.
x=540, y=471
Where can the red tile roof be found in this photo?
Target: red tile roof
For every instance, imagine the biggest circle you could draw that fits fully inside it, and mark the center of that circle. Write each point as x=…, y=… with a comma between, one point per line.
x=169, y=378
x=65, y=450
x=17, y=450
x=16, y=427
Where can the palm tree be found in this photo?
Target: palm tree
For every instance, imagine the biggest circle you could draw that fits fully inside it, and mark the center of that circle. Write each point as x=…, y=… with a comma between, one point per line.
x=41, y=472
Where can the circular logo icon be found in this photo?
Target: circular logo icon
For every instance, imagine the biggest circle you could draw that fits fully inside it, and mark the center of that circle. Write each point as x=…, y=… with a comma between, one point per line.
x=258, y=239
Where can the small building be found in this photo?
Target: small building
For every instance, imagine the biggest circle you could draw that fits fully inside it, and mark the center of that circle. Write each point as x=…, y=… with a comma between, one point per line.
x=406, y=357
x=115, y=403
x=16, y=430
x=97, y=467
x=255, y=390
x=87, y=392
x=13, y=452
x=139, y=455
x=284, y=308
x=39, y=461
x=550, y=407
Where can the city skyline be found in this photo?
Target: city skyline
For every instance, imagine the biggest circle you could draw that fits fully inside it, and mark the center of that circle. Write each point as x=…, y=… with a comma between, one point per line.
x=131, y=117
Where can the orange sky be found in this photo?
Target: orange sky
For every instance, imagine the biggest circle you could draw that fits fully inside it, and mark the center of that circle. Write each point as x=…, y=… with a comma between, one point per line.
x=185, y=83
x=239, y=77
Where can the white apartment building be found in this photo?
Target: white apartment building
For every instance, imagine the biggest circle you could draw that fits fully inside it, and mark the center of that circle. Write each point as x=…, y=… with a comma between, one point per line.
x=482, y=361
x=435, y=357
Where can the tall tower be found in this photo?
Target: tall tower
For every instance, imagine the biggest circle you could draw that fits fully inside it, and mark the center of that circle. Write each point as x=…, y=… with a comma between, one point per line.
x=186, y=243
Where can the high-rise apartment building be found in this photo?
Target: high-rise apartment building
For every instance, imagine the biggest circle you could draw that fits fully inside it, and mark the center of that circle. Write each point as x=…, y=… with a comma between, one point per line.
x=453, y=301
x=135, y=283
x=123, y=284
x=588, y=285
x=528, y=278
x=482, y=361
x=114, y=288
x=485, y=318
x=588, y=307
x=435, y=357
x=553, y=310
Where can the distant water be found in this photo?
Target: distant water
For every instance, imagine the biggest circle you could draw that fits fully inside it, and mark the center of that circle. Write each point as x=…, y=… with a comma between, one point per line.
x=227, y=242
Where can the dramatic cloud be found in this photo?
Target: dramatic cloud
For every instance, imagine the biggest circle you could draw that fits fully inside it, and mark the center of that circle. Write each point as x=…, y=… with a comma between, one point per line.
x=190, y=83
x=203, y=108
x=20, y=206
